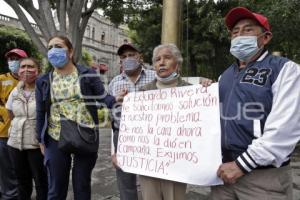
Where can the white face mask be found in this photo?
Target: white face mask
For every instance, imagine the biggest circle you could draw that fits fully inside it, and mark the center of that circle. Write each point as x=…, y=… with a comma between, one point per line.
x=14, y=66
x=171, y=77
x=244, y=47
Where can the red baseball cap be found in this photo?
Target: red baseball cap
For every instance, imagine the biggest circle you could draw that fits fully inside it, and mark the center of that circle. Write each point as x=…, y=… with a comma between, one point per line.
x=238, y=13
x=125, y=46
x=18, y=52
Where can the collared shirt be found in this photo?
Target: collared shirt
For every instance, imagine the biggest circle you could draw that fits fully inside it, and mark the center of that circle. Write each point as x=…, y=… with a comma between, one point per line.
x=122, y=81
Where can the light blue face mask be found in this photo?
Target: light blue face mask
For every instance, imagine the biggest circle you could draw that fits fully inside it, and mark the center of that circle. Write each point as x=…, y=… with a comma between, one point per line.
x=58, y=57
x=167, y=79
x=130, y=64
x=14, y=66
x=244, y=47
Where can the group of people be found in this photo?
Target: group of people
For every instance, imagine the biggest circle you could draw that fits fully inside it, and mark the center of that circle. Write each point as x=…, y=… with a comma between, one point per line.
x=260, y=114
x=256, y=145
x=31, y=109
x=20, y=156
x=167, y=61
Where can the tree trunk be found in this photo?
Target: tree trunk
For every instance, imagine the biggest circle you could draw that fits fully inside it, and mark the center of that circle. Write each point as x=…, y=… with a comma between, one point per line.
x=73, y=10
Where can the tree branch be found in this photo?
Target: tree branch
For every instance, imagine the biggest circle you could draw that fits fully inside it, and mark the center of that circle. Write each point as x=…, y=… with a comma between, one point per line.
x=74, y=21
x=26, y=24
x=45, y=10
x=91, y=9
x=61, y=11
x=36, y=15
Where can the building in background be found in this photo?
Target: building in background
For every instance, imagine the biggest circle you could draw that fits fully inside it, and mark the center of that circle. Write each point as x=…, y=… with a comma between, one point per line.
x=101, y=39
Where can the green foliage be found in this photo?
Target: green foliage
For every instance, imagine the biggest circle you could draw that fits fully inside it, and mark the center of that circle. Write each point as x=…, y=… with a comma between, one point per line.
x=14, y=38
x=86, y=58
x=205, y=40
x=145, y=29
x=114, y=10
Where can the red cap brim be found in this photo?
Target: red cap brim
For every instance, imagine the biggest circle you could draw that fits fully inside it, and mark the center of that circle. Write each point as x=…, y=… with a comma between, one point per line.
x=18, y=52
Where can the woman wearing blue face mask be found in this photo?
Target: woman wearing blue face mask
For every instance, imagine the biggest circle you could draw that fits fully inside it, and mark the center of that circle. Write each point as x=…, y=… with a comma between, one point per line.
x=71, y=91
x=23, y=146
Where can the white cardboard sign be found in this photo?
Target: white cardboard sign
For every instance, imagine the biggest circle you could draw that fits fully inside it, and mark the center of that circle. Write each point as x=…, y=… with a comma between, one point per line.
x=172, y=134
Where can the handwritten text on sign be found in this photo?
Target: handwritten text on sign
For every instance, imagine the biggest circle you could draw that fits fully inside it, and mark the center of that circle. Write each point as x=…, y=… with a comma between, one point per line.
x=172, y=134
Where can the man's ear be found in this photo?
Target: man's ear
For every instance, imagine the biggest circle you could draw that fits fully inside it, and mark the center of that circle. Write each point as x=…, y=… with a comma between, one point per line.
x=268, y=34
x=267, y=37
x=141, y=58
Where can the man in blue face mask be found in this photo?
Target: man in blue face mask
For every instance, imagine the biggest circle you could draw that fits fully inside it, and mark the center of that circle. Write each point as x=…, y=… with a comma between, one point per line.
x=133, y=76
x=8, y=181
x=260, y=114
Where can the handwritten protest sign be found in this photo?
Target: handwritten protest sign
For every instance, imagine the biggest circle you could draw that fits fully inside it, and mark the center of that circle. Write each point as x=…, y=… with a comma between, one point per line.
x=172, y=134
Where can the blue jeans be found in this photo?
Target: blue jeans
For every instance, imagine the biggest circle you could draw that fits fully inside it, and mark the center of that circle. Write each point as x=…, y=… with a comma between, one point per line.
x=8, y=180
x=58, y=164
x=127, y=185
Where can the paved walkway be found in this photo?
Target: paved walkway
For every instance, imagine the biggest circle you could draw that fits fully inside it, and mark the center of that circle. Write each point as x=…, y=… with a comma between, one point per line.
x=104, y=185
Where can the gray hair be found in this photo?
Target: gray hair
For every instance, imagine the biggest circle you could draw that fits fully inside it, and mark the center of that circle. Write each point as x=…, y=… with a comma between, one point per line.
x=174, y=50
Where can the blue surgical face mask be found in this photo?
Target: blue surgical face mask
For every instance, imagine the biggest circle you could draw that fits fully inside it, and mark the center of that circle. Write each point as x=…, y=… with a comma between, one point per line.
x=130, y=64
x=58, y=57
x=14, y=66
x=167, y=79
x=244, y=47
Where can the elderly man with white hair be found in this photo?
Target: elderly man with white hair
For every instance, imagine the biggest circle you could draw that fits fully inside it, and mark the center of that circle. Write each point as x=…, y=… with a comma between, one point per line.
x=167, y=60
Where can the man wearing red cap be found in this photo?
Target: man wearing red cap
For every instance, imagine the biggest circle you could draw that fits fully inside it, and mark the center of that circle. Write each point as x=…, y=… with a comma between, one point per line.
x=131, y=79
x=260, y=114
x=8, y=81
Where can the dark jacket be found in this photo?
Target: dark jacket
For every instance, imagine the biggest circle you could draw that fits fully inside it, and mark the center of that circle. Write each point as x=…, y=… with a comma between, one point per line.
x=91, y=88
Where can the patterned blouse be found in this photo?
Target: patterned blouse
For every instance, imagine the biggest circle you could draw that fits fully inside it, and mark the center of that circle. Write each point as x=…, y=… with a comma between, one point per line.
x=67, y=100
